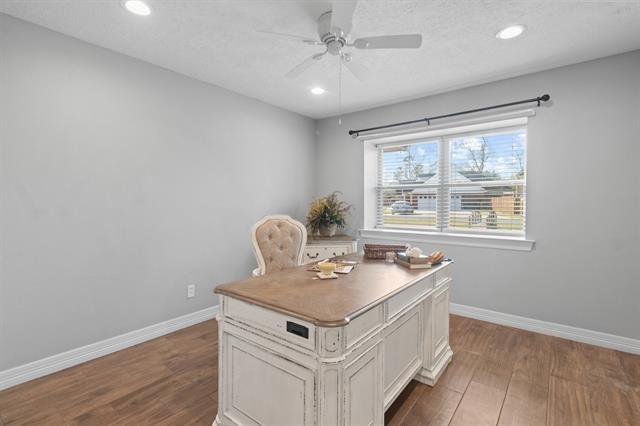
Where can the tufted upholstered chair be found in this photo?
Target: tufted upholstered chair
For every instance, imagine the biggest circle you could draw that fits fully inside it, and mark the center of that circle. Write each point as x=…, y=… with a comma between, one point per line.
x=278, y=243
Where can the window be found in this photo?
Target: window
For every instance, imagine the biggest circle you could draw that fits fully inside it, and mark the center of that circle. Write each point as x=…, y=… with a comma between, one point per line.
x=473, y=182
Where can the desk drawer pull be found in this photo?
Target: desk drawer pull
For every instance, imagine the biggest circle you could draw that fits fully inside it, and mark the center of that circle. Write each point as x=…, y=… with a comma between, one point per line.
x=313, y=257
x=297, y=329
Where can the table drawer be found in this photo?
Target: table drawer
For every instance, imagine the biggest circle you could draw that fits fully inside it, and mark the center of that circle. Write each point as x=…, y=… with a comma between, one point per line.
x=362, y=325
x=291, y=329
x=443, y=275
x=334, y=251
x=318, y=252
x=314, y=254
x=402, y=300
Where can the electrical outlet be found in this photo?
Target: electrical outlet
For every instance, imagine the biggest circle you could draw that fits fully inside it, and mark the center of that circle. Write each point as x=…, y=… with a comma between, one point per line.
x=191, y=291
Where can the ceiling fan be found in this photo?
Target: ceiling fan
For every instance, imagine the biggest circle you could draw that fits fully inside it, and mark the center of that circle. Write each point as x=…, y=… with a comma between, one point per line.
x=334, y=31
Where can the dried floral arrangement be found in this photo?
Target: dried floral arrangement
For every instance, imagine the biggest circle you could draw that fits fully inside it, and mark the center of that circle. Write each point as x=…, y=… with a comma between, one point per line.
x=326, y=214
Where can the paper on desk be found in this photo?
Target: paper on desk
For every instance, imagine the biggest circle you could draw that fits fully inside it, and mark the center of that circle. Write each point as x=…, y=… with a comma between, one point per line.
x=342, y=268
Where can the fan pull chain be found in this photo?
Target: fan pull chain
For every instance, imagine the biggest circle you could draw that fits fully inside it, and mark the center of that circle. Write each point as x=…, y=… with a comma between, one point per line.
x=340, y=90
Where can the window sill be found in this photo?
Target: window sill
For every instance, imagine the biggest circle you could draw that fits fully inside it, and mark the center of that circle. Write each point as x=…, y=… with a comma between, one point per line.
x=485, y=241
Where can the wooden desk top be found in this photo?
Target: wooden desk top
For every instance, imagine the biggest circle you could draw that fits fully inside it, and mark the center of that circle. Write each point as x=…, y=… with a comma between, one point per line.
x=326, y=303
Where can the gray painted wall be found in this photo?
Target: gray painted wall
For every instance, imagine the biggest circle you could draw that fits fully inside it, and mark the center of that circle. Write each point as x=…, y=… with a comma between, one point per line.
x=122, y=183
x=583, y=195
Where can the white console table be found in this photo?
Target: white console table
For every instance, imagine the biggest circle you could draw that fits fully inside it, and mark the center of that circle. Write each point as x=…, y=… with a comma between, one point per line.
x=321, y=248
x=294, y=350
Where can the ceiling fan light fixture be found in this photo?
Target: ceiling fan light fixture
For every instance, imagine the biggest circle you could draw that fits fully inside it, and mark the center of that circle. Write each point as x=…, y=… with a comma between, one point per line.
x=317, y=90
x=512, y=31
x=137, y=7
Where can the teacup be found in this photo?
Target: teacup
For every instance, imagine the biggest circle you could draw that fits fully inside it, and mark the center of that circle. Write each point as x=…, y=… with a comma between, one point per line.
x=326, y=268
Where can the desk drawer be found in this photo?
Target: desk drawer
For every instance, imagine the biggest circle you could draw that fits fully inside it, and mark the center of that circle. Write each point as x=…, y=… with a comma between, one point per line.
x=362, y=325
x=287, y=328
x=403, y=299
x=443, y=275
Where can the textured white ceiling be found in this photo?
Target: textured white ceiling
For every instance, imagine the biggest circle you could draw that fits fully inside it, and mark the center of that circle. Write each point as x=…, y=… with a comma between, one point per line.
x=216, y=41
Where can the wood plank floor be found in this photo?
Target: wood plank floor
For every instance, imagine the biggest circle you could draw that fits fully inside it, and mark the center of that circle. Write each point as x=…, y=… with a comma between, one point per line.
x=498, y=375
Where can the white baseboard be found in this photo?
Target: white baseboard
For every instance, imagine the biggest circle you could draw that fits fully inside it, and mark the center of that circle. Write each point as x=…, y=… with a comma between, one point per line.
x=591, y=337
x=42, y=367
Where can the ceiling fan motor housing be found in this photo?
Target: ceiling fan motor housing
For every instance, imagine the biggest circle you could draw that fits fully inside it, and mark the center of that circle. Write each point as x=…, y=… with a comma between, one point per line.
x=334, y=30
x=334, y=38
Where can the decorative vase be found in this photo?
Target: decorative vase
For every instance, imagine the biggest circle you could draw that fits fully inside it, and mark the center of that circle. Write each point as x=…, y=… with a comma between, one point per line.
x=328, y=230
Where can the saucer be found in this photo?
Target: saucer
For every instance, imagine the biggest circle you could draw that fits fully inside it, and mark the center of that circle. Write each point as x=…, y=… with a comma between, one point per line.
x=333, y=276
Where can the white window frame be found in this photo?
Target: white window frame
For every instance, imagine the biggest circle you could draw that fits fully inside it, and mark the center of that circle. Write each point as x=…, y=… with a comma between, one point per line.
x=445, y=132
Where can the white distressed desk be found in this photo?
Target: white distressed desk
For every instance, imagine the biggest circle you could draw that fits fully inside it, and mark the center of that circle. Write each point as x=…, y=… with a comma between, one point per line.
x=299, y=351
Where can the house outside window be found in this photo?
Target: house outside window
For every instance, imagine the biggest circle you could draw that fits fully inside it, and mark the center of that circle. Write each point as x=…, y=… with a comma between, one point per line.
x=468, y=182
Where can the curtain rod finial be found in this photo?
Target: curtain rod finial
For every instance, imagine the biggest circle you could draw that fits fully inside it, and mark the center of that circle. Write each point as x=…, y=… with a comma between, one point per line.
x=545, y=98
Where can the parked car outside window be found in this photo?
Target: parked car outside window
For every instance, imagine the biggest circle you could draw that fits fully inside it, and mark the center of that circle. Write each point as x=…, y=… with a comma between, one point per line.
x=401, y=207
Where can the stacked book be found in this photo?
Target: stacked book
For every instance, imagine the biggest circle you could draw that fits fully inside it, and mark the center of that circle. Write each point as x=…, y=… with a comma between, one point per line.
x=422, y=262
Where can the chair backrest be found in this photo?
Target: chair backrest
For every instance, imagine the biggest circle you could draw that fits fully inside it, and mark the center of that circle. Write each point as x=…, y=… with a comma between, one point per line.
x=278, y=243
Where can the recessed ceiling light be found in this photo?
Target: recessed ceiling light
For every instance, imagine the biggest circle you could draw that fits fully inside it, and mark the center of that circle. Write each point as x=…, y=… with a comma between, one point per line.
x=317, y=90
x=511, y=31
x=138, y=7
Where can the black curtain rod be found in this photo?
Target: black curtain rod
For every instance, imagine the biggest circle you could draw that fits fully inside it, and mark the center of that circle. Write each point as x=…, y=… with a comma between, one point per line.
x=539, y=100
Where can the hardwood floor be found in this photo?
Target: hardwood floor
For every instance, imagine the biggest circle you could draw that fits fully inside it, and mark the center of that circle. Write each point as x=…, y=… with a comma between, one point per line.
x=501, y=375
x=498, y=375
x=169, y=380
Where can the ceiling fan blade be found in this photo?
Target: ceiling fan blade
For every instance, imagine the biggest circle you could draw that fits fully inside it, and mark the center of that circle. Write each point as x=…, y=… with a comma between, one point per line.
x=405, y=41
x=355, y=68
x=303, y=66
x=342, y=15
x=307, y=40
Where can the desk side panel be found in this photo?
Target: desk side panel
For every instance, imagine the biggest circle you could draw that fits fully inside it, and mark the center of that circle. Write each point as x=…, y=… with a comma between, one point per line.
x=252, y=374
